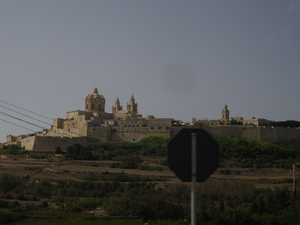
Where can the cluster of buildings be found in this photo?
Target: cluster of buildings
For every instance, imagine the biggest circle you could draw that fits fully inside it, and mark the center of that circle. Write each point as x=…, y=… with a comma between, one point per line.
x=126, y=124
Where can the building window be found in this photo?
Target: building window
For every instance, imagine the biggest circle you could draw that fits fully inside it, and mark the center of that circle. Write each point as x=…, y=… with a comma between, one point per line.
x=137, y=125
x=128, y=125
x=151, y=128
x=94, y=129
x=133, y=126
x=159, y=128
x=167, y=128
x=93, y=106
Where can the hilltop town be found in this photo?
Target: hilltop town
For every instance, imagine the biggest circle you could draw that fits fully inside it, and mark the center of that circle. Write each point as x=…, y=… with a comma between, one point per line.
x=126, y=124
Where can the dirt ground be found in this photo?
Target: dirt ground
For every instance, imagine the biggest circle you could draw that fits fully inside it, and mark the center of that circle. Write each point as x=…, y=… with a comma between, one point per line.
x=56, y=169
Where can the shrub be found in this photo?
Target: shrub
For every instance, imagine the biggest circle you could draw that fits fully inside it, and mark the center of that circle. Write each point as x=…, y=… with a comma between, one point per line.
x=44, y=204
x=58, y=150
x=225, y=172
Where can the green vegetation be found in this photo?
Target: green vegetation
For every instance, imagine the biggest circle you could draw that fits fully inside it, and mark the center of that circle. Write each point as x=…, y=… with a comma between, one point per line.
x=234, y=122
x=13, y=149
x=219, y=201
x=83, y=221
x=288, y=123
x=252, y=153
x=151, y=146
x=127, y=162
x=246, y=152
x=142, y=198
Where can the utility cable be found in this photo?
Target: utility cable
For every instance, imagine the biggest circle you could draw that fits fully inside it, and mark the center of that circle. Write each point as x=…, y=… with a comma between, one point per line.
x=25, y=110
x=24, y=115
x=3, y=113
x=55, y=131
x=17, y=125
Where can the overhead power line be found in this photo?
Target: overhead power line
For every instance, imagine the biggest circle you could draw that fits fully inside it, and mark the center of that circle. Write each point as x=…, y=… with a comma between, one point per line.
x=17, y=125
x=33, y=124
x=3, y=113
x=24, y=115
x=26, y=110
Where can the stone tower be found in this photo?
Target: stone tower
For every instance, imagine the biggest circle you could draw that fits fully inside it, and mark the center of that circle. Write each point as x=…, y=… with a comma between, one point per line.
x=225, y=113
x=117, y=107
x=95, y=103
x=132, y=106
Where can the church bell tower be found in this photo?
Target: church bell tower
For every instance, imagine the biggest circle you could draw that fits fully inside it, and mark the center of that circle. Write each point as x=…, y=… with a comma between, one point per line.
x=117, y=107
x=132, y=106
x=225, y=113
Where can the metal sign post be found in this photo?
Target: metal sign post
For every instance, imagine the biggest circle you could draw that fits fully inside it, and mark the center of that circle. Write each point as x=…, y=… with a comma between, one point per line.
x=193, y=155
x=194, y=179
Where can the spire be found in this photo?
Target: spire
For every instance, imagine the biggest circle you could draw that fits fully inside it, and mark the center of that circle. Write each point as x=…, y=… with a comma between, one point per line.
x=132, y=105
x=132, y=99
x=117, y=107
x=117, y=102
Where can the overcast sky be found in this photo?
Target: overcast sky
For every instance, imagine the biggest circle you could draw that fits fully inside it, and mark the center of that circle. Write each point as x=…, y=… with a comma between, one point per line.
x=180, y=59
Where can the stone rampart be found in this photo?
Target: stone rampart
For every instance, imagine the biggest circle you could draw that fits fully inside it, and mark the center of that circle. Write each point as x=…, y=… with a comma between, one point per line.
x=258, y=133
x=279, y=134
x=137, y=135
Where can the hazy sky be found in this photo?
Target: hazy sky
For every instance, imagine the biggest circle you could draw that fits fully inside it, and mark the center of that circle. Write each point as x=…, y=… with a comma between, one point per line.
x=180, y=59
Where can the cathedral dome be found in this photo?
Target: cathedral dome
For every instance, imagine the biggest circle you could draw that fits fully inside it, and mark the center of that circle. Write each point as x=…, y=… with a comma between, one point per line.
x=95, y=102
x=95, y=94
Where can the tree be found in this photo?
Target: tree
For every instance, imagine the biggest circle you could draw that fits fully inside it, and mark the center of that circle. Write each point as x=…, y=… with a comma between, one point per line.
x=234, y=122
x=58, y=150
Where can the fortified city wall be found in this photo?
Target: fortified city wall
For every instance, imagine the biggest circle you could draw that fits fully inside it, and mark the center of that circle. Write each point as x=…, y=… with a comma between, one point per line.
x=93, y=123
x=136, y=136
x=51, y=143
x=258, y=133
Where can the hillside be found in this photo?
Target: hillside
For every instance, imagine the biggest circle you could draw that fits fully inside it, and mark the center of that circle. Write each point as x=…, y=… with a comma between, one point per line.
x=115, y=180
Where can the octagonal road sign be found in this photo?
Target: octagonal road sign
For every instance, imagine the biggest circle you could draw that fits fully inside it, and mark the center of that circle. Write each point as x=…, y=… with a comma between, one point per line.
x=179, y=154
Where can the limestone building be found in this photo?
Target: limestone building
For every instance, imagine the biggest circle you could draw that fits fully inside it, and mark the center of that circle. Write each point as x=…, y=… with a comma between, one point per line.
x=94, y=123
x=121, y=125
